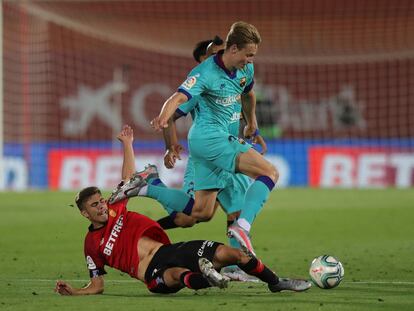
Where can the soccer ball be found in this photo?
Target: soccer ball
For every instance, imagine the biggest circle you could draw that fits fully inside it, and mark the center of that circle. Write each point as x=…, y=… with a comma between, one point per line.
x=326, y=271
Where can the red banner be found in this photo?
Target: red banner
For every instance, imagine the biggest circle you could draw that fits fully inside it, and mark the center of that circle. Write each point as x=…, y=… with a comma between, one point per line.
x=76, y=169
x=358, y=167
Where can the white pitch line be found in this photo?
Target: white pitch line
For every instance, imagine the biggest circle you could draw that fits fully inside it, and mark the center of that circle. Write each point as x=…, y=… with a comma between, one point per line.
x=135, y=281
x=381, y=282
x=73, y=280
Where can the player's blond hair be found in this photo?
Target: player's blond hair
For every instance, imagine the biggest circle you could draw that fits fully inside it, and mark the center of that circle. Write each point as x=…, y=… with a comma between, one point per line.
x=241, y=34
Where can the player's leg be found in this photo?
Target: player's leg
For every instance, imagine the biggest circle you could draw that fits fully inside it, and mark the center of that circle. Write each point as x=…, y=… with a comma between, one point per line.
x=265, y=176
x=226, y=255
x=147, y=183
x=201, y=208
x=231, y=218
x=175, y=277
x=228, y=153
x=231, y=199
x=186, y=255
x=172, y=200
x=177, y=219
x=234, y=272
x=166, y=273
x=204, y=203
x=181, y=220
x=171, y=280
x=208, y=179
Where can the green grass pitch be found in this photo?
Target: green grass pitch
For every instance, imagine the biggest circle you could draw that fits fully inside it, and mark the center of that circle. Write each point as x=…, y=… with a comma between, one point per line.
x=370, y=231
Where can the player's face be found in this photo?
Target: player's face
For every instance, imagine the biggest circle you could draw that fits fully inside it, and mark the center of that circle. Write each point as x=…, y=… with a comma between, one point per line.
x=241, y=57
x=96, y=210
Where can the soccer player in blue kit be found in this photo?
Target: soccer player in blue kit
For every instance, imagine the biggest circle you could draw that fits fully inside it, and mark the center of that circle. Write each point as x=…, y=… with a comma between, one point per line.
x=230, y=197
x=220, y=82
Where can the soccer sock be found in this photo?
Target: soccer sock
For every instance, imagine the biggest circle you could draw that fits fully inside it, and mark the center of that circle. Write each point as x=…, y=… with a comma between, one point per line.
x=233, y=243
x=156, y=182
x=151, y=182
x=256, y=196
x=172, y=200
x=258, y=269
x=167, y=222
x=194, y=280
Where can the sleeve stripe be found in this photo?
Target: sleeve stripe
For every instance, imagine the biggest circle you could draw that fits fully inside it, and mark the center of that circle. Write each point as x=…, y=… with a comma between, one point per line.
x=180, y=112
x=248, y=88
x=96, y=272
x=185, y=93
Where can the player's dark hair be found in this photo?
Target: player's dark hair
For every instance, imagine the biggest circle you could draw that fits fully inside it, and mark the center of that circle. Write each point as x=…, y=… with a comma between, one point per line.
x=217, y=40
x=84, y=195
x=241, y=34
x=201, y=47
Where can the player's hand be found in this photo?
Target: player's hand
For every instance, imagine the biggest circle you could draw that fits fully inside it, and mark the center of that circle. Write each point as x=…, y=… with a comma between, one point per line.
x=249, y=131
x=172, y=155
x=126, y=135
x=261, y=142
x=63, y=288
x=158, y=124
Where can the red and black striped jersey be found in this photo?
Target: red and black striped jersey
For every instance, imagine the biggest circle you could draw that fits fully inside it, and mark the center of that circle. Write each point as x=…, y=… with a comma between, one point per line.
x=115, y=244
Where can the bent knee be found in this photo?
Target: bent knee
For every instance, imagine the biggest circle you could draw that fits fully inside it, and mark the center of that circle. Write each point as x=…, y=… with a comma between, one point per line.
x=186, y=225
x=272, y=172
x=239, y=256
x=204, y=218
x=226, y=256
x=184, y=221
x=275, y=174
x=202, y=215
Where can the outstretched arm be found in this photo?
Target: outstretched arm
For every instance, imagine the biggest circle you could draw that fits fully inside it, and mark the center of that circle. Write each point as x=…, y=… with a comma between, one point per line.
x=257, y=139
x=172, y=148
x=94, y=287
x=126, y=137
x=168, y=109
x=249, y=112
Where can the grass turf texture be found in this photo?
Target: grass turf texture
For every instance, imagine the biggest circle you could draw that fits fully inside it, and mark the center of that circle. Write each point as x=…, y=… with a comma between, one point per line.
x=370, y=231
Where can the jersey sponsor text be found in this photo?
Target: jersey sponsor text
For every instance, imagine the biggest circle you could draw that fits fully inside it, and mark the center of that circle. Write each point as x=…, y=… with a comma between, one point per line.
x=114, y=235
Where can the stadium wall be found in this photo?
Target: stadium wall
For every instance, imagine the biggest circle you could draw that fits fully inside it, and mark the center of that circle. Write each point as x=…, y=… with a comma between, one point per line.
x=328, y=164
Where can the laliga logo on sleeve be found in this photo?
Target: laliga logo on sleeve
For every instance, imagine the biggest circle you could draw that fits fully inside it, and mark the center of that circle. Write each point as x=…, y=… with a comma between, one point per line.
x=190, y=82
x=90, y=263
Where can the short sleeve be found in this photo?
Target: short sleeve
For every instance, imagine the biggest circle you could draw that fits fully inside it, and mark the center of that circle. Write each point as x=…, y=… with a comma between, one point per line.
x=250, y=78
x=187, y=107
x=94, y=262
x=195, y=84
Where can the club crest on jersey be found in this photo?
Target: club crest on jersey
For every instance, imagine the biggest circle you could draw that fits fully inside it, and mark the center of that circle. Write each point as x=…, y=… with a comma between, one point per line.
x=112, y=213
x=243, y=81
x=190, y=82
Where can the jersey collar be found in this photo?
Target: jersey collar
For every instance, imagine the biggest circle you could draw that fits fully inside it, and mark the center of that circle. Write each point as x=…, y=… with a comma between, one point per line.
x=218, y=59
x=91, y=228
